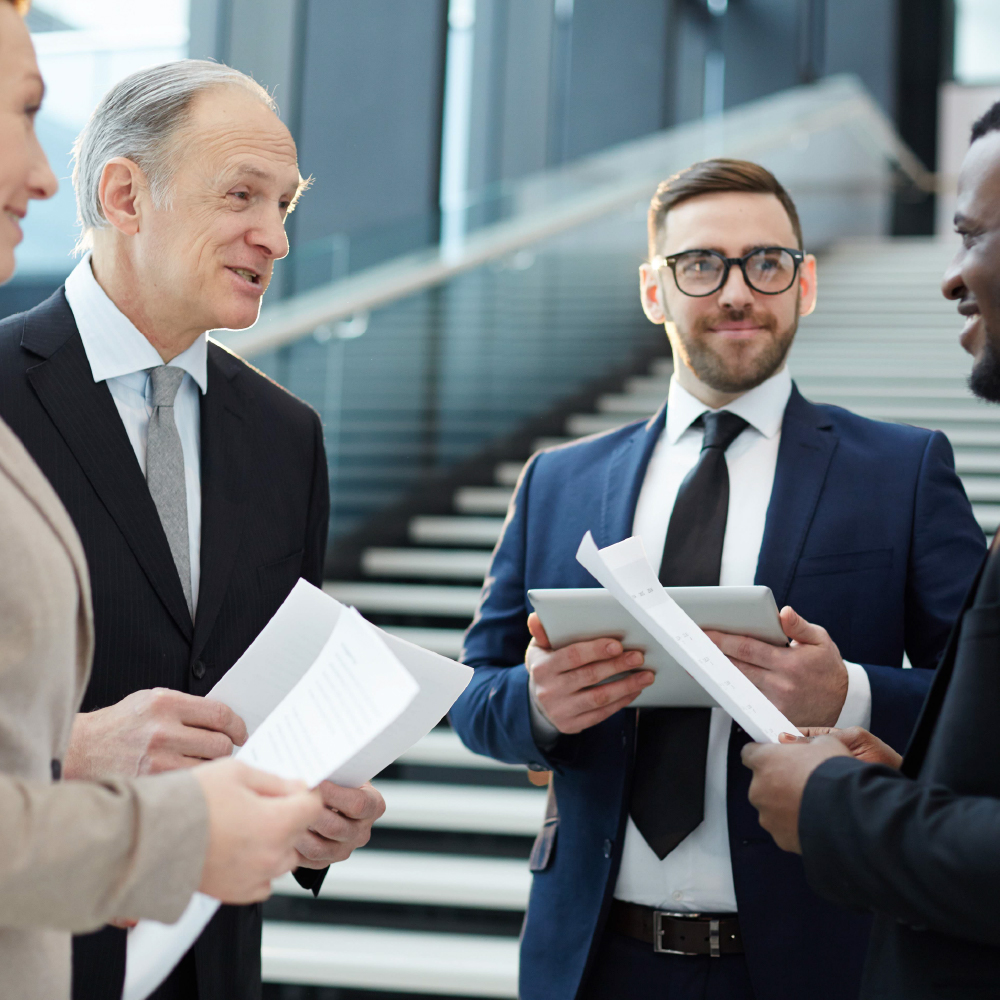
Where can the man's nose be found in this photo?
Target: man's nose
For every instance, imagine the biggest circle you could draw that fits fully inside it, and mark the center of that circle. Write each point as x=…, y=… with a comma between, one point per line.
x=952, y=285
x=735, y=293
x=270, y=236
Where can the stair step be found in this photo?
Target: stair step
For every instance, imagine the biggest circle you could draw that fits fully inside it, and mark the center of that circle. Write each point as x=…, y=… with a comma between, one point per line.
x=982, y=488
x=974, y=437
x=446, y=641
x=630, y=404
x=916, y=391
x=443, y=748
x=469, y=965
x=456, y=530
x=456, y=564
x=988, y=516
x=540, y=444
x=507, y=473
x=803, y=370
x=581, y=424
x=417, y=805
x=929, y=415
x=419, y=878
x=967, y=461
x=482, y=499
x=405, y=598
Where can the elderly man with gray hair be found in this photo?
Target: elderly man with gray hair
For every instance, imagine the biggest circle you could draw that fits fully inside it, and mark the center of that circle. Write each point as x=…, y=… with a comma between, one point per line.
x=198, y=487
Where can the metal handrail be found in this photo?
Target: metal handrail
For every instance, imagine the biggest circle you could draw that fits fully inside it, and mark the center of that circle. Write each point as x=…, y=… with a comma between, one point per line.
x=565, y=198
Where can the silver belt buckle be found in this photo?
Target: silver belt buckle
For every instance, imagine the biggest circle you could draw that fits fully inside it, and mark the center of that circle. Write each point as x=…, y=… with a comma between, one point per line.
x=714, y=948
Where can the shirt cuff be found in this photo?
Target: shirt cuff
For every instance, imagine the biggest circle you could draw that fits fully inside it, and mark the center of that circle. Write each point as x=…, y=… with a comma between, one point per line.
x=857, y=710
x=543, y=731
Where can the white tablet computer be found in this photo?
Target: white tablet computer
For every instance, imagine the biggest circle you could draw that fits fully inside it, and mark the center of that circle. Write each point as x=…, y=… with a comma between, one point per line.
x=592, y=613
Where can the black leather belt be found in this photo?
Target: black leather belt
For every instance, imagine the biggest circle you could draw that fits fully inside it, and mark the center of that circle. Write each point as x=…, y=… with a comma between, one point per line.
x=678, y=933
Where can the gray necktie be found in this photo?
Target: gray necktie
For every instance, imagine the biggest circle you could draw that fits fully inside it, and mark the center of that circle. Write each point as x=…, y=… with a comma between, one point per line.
x=165, y=471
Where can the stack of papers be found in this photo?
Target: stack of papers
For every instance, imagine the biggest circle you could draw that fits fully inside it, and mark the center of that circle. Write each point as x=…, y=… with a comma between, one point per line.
x=624, y=570
x=324, y=694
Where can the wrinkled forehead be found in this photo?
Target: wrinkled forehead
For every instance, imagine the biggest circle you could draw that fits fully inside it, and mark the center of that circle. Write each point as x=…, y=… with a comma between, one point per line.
x=230, y=131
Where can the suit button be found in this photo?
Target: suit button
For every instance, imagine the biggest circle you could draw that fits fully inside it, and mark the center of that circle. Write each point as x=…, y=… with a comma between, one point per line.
x=56, y=767
x=198, y=669
x=607, y=848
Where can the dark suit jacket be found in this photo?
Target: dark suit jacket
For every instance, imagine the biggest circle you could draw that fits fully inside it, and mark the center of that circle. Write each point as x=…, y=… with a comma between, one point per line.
x=265, y=505
x=921, y=847
x=868, y=533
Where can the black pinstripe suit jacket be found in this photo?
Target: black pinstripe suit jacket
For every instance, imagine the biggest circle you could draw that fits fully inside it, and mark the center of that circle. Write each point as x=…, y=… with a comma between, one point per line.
x=265, y=511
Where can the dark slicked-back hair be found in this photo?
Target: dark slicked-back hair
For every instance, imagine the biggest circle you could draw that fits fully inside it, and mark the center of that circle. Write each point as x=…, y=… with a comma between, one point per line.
x=989, y=122
x=714, y=177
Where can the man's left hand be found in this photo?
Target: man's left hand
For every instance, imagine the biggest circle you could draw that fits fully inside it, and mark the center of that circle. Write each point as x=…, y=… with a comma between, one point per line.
x=806, y=680
x=780, y=774
x=345, y=825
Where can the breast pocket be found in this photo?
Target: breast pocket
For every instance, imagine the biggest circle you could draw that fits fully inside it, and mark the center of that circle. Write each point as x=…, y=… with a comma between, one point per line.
x=281, y=573
x=844, y=562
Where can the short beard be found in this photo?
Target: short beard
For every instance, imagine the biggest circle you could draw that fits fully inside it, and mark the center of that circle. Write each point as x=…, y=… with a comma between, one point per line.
x=722, y=376
x=984, y=379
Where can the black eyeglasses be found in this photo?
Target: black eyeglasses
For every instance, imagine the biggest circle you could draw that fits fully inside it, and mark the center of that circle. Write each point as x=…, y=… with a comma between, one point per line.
x=768, y=270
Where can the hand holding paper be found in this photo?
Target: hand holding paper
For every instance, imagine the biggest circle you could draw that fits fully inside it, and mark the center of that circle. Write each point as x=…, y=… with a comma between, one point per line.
x=624, y=571
x=254, y=820
x=324, y=694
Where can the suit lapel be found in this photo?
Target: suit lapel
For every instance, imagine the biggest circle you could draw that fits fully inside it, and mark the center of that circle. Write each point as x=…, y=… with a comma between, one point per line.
x=808, y=442
x=223, y=487
x=626, y=471
x=88, y=420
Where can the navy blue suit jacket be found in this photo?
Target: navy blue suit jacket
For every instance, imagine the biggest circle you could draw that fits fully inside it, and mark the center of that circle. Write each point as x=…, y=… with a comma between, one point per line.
x=868, y=533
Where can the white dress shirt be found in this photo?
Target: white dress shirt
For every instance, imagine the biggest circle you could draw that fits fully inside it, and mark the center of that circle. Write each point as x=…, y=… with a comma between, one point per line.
x=697, y=876
x=121, y=356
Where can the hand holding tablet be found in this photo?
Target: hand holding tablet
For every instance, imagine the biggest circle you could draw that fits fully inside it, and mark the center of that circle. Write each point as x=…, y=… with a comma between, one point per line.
x=578, y=615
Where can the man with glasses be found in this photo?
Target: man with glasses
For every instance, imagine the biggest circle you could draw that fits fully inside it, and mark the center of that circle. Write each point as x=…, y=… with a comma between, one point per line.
x=652, y=874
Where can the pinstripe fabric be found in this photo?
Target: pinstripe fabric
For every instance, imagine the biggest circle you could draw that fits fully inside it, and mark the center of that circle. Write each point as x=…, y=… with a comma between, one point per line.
x=265, y=508
x=121, y=356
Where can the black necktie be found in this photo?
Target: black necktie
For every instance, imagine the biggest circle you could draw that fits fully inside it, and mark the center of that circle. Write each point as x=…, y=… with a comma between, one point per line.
x=668, y=786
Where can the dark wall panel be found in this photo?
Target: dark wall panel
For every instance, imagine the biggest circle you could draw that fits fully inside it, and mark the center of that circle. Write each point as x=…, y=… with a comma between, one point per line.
x=761, y=44
x=617, y=82
x=861, y=39
x=370, y=113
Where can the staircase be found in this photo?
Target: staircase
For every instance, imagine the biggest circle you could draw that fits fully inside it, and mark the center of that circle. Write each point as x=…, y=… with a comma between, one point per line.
x=434, y=905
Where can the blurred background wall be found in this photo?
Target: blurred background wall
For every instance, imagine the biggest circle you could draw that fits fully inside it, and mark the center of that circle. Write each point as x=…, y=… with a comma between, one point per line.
x=470, y=94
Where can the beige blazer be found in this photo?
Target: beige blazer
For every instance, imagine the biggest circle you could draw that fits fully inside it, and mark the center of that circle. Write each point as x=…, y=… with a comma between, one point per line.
x=73, y=855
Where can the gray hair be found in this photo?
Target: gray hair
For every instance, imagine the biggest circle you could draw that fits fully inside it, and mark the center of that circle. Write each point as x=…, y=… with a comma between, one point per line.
x=138, y=119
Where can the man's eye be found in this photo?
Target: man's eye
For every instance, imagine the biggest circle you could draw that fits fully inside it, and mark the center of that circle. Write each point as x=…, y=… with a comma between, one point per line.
x=244, y=195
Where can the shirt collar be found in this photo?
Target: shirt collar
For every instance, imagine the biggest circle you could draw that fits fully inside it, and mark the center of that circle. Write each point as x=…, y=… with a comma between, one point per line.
x=763, y=407
x=113, y=345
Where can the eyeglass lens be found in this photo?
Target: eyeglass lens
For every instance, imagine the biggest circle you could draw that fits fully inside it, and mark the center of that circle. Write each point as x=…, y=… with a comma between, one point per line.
x=770, y=271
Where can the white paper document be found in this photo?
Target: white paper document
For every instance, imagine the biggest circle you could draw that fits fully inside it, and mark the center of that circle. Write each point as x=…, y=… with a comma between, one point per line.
x=324, y=694
x=624, y=570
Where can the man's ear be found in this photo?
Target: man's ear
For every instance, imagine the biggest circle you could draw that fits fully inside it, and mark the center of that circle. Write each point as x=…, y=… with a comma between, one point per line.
x=807, y=285
x=123, y=193
x=651, y=294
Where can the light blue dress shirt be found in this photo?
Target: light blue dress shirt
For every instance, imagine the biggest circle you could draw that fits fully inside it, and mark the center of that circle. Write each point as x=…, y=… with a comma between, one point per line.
x=121, y=356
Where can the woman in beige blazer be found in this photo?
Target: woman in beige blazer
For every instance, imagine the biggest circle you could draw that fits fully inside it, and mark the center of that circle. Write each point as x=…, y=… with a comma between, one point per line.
x=76, y=855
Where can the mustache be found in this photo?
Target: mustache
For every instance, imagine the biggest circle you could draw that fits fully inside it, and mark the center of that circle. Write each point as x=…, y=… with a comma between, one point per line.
x=766, y=320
